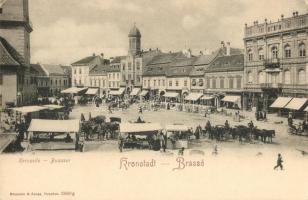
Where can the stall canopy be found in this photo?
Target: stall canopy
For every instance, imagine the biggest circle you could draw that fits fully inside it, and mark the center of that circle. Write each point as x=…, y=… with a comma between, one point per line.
x=175, y=127
x=54, y=126
x=92, y=91
x=53, y=107
x=296, y=103
x=143, y=93
x=72, y=90
x=171, y=94
x=232, y=99
x=193, y=96
x=139, y=127
x=6, y=140
x=29, y=109
x=117, y=92
x=206, y=97
x=281, y=102
x=135, y=91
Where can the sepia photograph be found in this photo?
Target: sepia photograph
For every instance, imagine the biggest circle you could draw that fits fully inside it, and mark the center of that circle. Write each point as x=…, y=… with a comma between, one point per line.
x=144, y=99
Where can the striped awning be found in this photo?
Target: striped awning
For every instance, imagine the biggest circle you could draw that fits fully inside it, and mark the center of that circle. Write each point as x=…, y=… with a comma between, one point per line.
x=193, y=96
x=281, y=102
x=296, y=103
x=171, y=94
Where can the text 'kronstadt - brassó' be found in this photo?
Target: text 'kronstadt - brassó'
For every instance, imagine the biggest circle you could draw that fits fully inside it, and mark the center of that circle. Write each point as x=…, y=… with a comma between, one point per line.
x=181, y=163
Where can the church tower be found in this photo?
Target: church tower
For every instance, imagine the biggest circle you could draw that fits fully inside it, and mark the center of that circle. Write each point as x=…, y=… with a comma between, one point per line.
x=134, y=41
x=15, y=25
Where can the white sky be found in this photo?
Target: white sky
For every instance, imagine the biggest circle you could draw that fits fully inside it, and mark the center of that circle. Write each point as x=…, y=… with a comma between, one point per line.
x=67, y=30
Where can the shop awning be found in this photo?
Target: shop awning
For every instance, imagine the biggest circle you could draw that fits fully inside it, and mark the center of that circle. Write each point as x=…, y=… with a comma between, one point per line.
x=29, y=109
x=296, y=103
x=281, y=102
x=206, y=97
x=143, y=93
x=117, y=92
x=193, y=96
x=135, y=91
x=92, y=91
x=171, y=94
x=139, y=127
x=72, y=90
x=53, y=107
x=176, y=127
x=232, y=99
x=54, y=126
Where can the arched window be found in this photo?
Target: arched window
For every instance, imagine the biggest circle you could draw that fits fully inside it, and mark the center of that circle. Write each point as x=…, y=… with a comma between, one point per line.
x=302, y=50
x=250, y=78
x=287, y=77
x=222, y=82
x=231, y=82
x=301, y=76
x=250, y=55
x=287, y=51
x=261, y=54
x=261, y=77
x=274, y=51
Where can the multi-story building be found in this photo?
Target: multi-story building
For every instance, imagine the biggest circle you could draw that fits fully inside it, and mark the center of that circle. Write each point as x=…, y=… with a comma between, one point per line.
x=224, y=79
x=132, y=66
x=275, y=60
x=98, y=80
x=51, y=79
x=15, y=29
x=82, y=68
x=154, y=75
x=114, y=73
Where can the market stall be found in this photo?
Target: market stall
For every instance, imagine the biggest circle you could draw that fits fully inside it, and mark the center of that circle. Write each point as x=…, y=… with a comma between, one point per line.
x=54, y=134
x=139, y=135
x=178, y=136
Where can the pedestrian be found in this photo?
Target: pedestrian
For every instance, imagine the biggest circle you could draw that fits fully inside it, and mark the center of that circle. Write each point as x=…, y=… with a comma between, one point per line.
x=140, y=110
x=109, y=109
x=279, y=162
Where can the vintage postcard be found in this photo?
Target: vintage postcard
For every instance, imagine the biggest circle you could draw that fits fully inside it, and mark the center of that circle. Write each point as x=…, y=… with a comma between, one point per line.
x=144, y=99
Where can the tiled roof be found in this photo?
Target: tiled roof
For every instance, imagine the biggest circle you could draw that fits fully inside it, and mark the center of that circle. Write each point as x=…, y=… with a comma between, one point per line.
x=179, y=71
x=67, y=69
x=8, y=54
x=39, y=69
x=166, y=58
x=98, y=70
x=197, y=71
x=117, y=59
x=85, y=61
x=53, y=69
x=227, y=63
x=205, y=59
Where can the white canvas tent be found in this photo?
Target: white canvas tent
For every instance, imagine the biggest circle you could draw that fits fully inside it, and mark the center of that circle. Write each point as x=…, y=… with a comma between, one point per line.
x=296, y=103
x=139, y=127
x=193, y=96
x=73, y=90
x=281, y=102
x=54, y=126
x=29, y=109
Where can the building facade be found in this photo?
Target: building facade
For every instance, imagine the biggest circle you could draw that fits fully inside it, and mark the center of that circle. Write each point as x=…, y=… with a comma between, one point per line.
x=15, y=29
x=81, y=70
x=114, y=73
x=98, y=79
x=275, y=60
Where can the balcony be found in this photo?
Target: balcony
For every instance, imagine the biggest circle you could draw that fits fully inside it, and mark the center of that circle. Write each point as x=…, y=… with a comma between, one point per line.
x=272, y=63
x=271, y=85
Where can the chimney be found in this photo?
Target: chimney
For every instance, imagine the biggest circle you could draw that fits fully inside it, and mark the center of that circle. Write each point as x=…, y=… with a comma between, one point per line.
x=294, y=14
x=93, y=54
x=228, y=49
x=188, y=53
x=102, y=55
x=222, y=44
x=282, y=16
x=201, y=53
